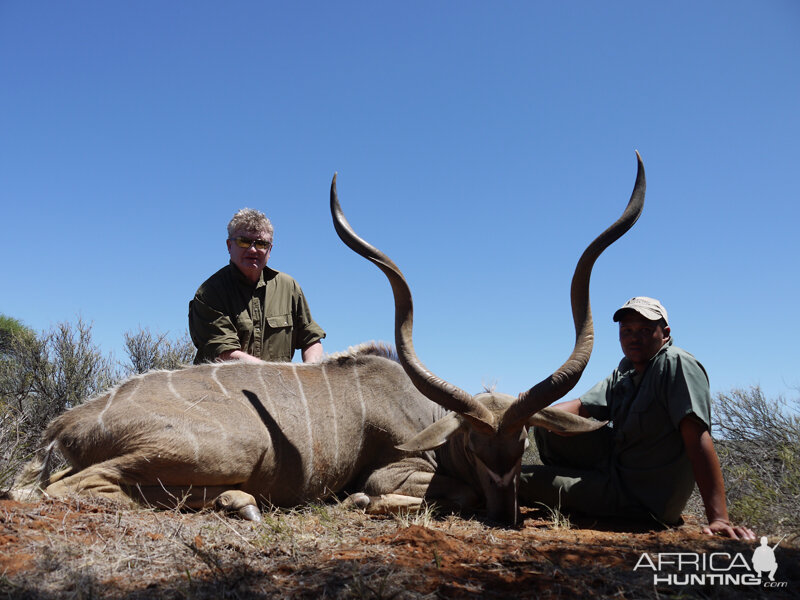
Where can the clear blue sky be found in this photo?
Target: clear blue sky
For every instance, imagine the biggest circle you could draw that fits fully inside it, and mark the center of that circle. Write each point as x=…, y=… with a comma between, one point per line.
x=481, y=145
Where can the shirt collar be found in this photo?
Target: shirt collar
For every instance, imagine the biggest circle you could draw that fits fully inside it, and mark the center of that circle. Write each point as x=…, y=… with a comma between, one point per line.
x=239, y=277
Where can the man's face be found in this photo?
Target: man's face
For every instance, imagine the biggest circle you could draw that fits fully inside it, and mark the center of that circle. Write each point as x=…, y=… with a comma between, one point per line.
x=249, y=260
x=641, y=338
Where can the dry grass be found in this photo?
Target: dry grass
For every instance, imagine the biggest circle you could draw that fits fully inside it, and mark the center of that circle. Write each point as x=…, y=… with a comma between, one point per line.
x=93, y=549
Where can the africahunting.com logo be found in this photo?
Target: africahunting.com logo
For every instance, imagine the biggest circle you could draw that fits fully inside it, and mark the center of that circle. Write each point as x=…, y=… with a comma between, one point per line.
x=715, y=568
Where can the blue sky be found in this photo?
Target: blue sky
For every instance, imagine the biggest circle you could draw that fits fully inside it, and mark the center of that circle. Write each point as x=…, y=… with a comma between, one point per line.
x=481, y=145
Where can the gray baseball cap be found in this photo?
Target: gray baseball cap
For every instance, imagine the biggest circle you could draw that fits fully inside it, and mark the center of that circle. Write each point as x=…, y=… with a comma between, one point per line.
x=650, y=308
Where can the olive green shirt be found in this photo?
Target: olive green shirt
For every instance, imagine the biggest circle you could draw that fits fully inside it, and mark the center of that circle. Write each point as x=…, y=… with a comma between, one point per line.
x=648, y=458
x=269, y=319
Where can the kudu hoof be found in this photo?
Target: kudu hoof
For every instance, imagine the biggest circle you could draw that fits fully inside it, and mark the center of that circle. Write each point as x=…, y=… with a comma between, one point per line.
x=241, y=503
x=250, y=513
x=357, y=500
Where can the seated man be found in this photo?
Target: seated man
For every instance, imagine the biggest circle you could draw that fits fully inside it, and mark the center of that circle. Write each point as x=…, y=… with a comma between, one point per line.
x=645, y=463
x=247, y=311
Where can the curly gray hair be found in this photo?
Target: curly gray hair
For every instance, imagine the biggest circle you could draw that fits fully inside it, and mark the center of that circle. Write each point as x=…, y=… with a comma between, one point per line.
x=250, y=219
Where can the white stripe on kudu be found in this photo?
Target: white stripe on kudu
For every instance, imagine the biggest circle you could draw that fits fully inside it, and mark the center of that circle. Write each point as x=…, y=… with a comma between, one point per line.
x=335, y=419
x=363, y=408
x=310, y=456
x=105, y=408
x=217, y=381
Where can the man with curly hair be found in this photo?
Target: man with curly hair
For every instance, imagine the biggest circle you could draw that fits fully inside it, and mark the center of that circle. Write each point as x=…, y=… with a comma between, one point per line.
x=247, y=311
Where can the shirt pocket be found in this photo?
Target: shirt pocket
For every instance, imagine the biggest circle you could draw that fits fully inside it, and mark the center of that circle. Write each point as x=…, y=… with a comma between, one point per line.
x=279, y=337
x=279, y=321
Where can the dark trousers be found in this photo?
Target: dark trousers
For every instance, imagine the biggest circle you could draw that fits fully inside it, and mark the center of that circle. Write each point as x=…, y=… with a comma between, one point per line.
x=576, y=475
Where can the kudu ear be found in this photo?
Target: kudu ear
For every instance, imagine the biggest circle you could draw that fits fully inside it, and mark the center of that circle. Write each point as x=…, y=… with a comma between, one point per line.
x=560, y=421
x=434, y=435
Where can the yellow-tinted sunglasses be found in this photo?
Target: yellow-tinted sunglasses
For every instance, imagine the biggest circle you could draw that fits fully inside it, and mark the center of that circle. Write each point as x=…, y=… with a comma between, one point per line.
x=246, y=242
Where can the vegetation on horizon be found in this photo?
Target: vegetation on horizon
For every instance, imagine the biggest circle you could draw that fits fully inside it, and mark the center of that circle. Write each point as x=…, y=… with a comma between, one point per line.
x=42, y=375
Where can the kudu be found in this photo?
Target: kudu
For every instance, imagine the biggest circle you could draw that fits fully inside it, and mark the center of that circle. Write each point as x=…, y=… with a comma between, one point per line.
x=232, y=435
x=487, y=433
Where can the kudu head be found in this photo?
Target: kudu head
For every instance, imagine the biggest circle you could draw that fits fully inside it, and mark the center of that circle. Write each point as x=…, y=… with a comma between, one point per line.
x=493, y=427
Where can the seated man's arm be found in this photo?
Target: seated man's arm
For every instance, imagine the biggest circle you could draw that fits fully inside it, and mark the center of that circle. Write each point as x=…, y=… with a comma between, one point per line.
x=575, y=407
x=238, y=355
x=214, y=335
x=312, y=353
x=708, y=475
x=307, y=335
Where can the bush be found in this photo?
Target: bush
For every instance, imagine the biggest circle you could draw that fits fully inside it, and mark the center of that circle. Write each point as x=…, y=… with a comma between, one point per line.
x=147, y=351
x=758, y=443
x=15, y=382
x=42, y=376
x=66, y=368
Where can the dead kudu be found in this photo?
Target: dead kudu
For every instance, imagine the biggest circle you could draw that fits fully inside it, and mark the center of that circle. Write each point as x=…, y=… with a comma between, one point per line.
x=232, y=435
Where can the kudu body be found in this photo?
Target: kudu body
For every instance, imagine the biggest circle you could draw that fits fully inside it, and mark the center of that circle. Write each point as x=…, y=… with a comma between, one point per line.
x=234, y=435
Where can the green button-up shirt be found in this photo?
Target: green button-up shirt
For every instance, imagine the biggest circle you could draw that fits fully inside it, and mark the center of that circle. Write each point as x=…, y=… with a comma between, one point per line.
x=269, y=319
x=648, y=456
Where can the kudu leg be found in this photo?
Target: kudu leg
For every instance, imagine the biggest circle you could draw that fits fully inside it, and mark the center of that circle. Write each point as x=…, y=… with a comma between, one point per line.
x=407, y=485
x=385, y=503
x=98, y=480
x=106, y=480
x=220, y=498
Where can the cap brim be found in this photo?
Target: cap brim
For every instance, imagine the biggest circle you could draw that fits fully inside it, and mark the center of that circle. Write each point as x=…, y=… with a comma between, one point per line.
x=650, y=315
